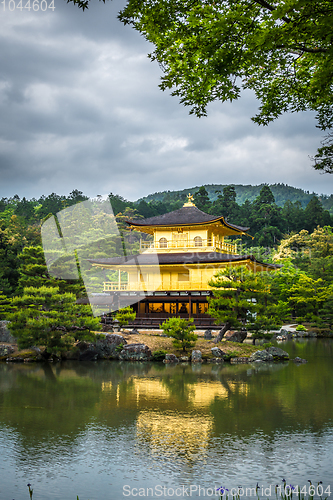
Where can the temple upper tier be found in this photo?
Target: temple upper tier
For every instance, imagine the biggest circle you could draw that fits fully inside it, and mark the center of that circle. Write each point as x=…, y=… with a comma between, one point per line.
x=185, y=229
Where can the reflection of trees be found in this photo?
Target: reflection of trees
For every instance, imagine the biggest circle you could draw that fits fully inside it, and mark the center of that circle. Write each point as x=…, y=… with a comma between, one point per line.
x=62, y=400
x=44, y=402
x=179, y=382
x=279, y=396
x=50, y=405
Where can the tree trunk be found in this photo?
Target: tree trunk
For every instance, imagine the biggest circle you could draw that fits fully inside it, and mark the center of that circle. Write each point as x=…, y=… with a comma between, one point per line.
x=222, y=332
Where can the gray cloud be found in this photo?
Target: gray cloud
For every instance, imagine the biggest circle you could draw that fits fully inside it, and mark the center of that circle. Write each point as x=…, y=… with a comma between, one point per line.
x=80, y=109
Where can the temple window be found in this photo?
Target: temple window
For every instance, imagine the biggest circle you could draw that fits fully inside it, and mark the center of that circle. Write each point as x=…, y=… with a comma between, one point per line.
x=163, y=243
x=198, y=241
x=180, y=239
x=185, y=276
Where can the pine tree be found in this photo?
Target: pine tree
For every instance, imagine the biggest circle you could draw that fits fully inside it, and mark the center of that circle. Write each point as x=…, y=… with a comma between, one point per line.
x=308, y=296
x=244, y=298
x=326, y=312
x=125, y=315
x=46, y=317
x=181, y=330
x=34, y=273
x=201, y=199
x=4, y=306
x=315, y=215
x=234, y=289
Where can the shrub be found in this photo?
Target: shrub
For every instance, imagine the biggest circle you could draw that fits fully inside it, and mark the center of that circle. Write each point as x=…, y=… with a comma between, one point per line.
x=301, y=328
x=181, y=330
x=158, y=355
x=125, y=315
x=120, y=347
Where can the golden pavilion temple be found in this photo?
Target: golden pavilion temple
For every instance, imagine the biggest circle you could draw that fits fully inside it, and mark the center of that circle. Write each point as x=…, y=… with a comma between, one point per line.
x=170, y=275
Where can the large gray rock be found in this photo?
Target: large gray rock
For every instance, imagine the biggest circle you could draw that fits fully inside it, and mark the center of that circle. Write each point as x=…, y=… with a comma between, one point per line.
x=277, y=353
x=196, y=357
x=107, y=348
x=135, y=352
x=208, y=335
x=104, y=348
x=310, y=334
x=5, y=335
x=217, y=352
x=5, y=350
x=85, y=352
x=261, y=356
x=170, y=358
x=134, y=332
x=287, y=333
x=240, y=336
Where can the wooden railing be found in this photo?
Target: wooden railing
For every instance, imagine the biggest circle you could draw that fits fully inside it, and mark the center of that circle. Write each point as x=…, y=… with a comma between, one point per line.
x=189, y=245
x=141, y=286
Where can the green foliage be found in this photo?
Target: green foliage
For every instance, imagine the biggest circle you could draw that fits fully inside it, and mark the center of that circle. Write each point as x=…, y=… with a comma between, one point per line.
x=4, y=306
x=14, y=235
x=120, y=347
x=308, y=295
x=262, y=324
x=125, y=315
x=225, y=204
x=158, y=355
x=233, y=354
x=323, y=160
x=243, y=297
x=281, y=192
x=235, y=296
x=326, y=311
x=34, y=273
x=301, y=328
x=181, y=330
x=201, y=199
x=99, y=336
x=213, y=50
x=46, y=317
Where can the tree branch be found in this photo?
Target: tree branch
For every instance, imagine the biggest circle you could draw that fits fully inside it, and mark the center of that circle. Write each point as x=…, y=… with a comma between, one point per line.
x=302, y=48
x=265, y=4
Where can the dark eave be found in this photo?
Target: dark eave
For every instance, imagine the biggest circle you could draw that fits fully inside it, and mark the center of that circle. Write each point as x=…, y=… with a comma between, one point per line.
x=184, y=216
x=177, y=258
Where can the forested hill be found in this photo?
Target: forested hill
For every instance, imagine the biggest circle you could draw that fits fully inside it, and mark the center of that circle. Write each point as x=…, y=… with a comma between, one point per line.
x=281, y=192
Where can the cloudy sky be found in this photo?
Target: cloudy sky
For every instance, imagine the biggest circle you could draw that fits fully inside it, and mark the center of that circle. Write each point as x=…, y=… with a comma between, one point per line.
x=80, y=109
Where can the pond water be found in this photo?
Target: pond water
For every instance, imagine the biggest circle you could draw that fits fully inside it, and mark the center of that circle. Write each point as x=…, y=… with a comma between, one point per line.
x=104, y=430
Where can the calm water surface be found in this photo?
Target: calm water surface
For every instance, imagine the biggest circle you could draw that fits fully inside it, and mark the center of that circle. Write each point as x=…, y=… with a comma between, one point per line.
x=90, y=429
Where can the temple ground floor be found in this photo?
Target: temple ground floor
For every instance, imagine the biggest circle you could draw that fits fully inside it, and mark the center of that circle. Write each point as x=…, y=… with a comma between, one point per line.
x=153, y=308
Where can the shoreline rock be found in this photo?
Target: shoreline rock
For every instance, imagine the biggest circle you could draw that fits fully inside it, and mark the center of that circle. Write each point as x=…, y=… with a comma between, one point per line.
x=261, y=356
x=239, y=336
x=5, y=335
x=135, y=352
x=196, y=357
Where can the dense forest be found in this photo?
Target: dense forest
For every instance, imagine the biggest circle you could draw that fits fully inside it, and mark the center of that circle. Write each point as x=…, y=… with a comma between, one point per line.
x=281, y=192
x=296, y=236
